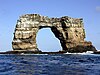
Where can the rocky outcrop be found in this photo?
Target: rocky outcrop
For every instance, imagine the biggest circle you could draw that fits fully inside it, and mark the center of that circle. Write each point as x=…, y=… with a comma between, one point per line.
x=70, y=32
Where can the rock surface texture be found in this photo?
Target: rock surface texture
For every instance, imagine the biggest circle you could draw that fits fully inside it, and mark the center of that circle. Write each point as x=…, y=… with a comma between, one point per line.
x=70, y=32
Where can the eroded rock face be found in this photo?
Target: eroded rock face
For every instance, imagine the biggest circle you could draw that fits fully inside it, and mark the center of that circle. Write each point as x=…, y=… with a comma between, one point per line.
x=70, y=32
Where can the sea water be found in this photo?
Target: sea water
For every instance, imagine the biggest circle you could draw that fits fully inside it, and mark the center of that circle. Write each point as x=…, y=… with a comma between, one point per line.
x=54, y=64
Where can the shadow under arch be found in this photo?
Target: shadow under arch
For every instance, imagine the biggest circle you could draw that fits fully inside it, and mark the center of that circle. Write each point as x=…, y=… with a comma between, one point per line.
x=46, y=40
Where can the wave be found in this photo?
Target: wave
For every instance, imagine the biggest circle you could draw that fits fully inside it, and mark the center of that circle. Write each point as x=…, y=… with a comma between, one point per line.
x=32, y=54
x=84, y=53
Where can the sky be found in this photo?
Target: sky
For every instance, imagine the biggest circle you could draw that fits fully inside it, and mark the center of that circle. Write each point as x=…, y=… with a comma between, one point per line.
x=10, y=10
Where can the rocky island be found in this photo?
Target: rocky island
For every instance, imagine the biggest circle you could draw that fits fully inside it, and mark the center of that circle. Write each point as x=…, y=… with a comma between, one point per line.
x=70, y=31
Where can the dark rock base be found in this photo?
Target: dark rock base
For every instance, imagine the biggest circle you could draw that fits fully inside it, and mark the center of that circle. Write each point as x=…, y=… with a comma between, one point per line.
x=31, y=52
x=80, y=49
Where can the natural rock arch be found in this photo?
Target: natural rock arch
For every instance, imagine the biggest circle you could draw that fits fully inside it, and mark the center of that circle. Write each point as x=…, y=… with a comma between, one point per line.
x=70, y=32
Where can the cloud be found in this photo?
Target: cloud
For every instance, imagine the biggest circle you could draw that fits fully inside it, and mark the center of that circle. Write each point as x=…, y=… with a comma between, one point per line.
x=98, y=8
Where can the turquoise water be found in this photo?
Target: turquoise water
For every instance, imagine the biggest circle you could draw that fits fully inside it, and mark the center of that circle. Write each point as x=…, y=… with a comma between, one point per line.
x=61, y=64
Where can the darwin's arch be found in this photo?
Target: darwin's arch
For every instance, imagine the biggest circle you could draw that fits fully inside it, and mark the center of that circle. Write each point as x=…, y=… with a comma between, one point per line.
x=70, y=32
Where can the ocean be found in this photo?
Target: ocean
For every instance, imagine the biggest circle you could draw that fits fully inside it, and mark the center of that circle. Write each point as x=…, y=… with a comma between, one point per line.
x=53, y=64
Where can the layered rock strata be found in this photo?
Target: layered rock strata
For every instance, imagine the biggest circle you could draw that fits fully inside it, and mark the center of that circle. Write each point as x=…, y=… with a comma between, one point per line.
x=70, y=32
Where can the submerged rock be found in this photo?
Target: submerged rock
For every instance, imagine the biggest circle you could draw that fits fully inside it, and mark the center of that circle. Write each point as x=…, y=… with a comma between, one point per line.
x=70, y=32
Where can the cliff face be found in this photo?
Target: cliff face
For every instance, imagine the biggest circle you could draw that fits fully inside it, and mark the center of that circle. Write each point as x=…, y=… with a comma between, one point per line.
x=70, y=32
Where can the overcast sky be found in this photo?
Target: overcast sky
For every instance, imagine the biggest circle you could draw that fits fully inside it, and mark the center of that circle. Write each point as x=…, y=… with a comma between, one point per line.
x=10, y=10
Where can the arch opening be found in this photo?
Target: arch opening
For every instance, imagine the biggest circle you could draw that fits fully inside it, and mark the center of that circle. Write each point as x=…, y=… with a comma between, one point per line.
x=46, y=41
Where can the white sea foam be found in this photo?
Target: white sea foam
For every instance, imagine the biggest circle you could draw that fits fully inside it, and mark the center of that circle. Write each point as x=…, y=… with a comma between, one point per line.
x=32, y=54
x=84, y=53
